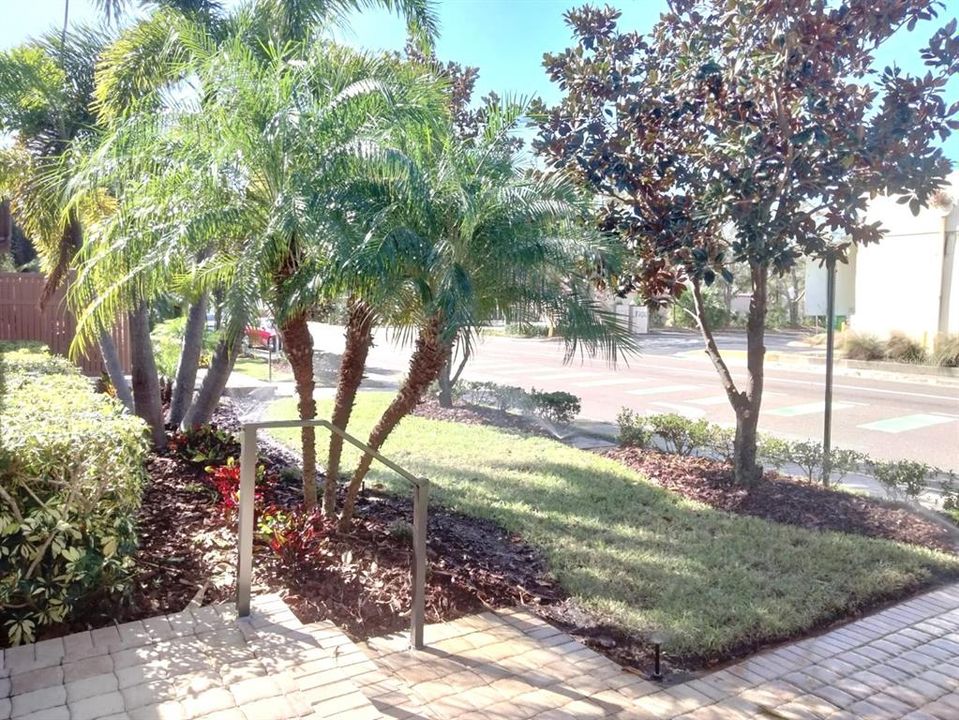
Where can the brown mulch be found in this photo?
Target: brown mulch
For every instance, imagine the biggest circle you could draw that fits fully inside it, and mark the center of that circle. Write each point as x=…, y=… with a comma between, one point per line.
x=785, y=499
x=360, y=581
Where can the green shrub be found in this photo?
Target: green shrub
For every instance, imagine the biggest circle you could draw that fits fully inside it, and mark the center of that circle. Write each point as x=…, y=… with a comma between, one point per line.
x=717, y=316
x=633, y=430
x=721, y=442
x=490, y=394
x=859, y=346
x=946, y=353
x=902, y=477
x=35, y=363
x=71, y=470
x=808, y=455
x=33, y=346
x=903, y=348
x=167, y=338
x=527, y=330
x=680, y=435
x=558, y=407
x=773, y=451
x=950, y=495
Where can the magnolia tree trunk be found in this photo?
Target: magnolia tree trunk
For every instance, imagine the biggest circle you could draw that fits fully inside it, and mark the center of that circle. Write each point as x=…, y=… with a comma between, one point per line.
x=359, y=339
x=448, y=377
x=185, y=382
x=111, y=360
x=146, y=383
x=214, y=383
x=746, y=404
x=298, y=344
x=428, y=357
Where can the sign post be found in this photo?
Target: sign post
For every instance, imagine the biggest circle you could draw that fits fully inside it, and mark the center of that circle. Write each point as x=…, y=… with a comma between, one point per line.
x=830, y=349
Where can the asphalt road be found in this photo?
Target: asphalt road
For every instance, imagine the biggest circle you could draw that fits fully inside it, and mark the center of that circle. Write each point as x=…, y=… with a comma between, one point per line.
x=889, y=418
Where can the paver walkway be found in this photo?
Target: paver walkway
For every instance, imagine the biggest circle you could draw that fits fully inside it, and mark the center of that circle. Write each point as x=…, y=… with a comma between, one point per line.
x=900, y=663
x=204, y=663
x=200, y=663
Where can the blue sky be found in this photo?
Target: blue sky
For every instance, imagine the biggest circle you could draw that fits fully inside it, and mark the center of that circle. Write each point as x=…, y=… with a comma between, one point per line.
x=506, y=39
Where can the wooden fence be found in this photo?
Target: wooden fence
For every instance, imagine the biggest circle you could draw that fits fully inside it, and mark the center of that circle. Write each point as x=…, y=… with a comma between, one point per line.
x=21, y=318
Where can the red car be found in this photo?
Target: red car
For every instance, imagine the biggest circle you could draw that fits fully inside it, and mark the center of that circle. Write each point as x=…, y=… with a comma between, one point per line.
x=263, y=335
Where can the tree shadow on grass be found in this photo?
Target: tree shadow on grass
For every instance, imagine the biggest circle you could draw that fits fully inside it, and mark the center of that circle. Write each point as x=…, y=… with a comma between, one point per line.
x=646, y=559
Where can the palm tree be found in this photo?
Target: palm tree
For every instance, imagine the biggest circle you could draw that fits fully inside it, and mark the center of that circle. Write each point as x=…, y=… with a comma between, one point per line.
x=481, y=233
x=255, y=175
x=46, y=88
x=170, y=46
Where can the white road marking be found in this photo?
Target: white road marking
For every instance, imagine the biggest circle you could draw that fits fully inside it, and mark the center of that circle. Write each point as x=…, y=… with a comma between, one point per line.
x=818, y=385
x=679, y=409
x=613, y=381
x=566, y=375
x=495, y=368
x=662, y=389
x=712, y=400
x=906, y=423
x=808, y=409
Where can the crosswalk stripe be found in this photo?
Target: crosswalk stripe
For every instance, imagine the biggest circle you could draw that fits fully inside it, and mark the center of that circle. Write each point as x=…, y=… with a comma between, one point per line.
x=904, y=423
x=662, y=389
x=613, y=381
x=808, y=409
x=711, y=400
x=492, y=368
x=680, y=409
x=565, y=375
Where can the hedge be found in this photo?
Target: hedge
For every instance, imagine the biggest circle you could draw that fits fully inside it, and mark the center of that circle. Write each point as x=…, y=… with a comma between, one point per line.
x=71, y=474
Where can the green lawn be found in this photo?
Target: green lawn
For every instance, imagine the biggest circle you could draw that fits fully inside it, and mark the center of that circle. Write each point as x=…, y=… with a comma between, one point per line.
x=636, y=554
x=257, y=368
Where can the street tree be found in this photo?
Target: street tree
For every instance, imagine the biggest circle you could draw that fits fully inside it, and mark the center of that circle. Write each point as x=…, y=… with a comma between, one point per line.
x=747, y=132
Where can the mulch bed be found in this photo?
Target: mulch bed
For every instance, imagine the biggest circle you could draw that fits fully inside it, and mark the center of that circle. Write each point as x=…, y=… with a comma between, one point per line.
x=360, y=581
x=785, y=499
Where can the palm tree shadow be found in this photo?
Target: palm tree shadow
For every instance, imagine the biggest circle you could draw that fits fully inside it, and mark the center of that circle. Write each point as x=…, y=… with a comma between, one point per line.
x=326, y=368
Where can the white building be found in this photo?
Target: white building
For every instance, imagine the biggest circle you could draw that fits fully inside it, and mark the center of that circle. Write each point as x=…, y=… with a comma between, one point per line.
x=908, y=282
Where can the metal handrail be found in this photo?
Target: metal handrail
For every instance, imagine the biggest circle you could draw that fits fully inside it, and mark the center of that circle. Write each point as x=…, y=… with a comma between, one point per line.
x=421, y=489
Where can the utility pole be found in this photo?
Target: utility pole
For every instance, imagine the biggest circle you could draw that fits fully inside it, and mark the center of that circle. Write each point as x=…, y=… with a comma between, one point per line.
x=830, y=348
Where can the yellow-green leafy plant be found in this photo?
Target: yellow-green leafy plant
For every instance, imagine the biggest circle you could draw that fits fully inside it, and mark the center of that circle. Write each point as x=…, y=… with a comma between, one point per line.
x=71, y=472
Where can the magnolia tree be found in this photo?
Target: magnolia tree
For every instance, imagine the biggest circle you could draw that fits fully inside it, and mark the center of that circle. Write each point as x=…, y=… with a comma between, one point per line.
x=747, y=133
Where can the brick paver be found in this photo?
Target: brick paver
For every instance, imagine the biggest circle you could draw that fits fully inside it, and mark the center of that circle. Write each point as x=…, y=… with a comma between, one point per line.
x=205, y=664
x=899, y=663
x=200, y=664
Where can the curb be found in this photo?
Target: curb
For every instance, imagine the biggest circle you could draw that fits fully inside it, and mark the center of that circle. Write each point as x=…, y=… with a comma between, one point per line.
x=877, y=366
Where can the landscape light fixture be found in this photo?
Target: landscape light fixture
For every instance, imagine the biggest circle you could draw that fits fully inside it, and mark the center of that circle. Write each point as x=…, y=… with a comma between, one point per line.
x=657, y=640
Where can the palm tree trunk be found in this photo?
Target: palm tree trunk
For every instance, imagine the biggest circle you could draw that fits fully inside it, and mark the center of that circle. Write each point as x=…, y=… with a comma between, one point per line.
x=185, y=382
x=359, y=339
x=428, y=357
x=447, y=378
x=111, y=360
x=299, y=351
x=211, y=389
x=146, y=383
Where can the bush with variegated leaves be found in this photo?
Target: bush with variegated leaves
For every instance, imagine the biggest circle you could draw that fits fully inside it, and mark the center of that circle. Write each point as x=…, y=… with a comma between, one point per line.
x=71, y=474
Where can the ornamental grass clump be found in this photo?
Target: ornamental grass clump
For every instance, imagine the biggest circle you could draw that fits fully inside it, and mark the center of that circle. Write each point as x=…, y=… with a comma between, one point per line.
x=71, y=472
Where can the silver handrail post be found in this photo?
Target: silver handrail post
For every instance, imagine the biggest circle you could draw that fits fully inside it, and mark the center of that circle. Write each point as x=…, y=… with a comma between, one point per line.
x=244, y=570
x=421, y=493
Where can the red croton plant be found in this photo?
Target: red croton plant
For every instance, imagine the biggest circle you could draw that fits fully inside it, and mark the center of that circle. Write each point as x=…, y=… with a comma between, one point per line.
x=748, y=132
